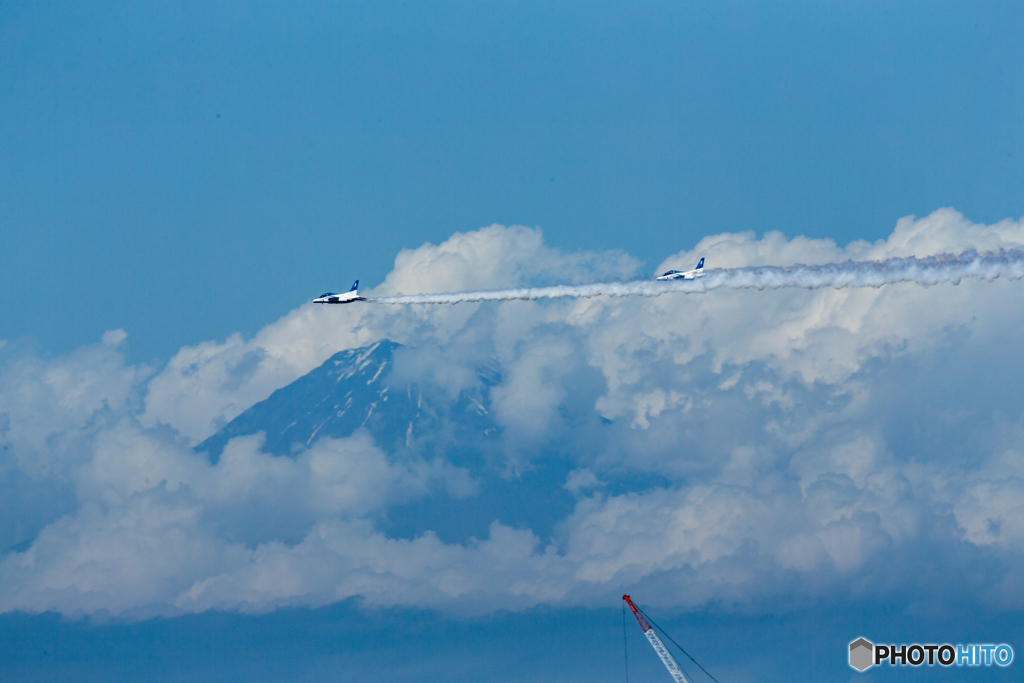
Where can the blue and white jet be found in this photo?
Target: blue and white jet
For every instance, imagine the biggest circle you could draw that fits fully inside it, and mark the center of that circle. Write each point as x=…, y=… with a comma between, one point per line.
x=346, y=298
x=685, y=274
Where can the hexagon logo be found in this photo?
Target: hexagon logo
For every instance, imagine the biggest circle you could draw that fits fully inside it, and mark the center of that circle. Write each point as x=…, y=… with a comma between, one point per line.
x=861, y=654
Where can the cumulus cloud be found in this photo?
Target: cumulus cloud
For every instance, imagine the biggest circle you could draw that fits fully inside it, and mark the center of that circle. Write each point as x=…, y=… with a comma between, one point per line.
x=729, y=448
x=206, y=385
x=930, y=270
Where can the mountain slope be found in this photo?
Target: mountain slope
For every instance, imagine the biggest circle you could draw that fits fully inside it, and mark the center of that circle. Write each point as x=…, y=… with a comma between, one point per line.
x=354, y=389
x=357, y=389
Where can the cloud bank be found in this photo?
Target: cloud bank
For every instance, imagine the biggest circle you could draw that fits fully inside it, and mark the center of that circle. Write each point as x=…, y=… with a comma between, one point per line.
x=931, y=270
x=743, y=449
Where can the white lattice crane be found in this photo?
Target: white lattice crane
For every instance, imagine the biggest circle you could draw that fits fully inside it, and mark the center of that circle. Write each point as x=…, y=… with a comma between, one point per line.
x=656, y=643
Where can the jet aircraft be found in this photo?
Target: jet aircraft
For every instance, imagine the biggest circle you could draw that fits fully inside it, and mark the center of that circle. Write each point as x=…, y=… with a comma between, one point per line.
x=685, y=275
x=347, y=298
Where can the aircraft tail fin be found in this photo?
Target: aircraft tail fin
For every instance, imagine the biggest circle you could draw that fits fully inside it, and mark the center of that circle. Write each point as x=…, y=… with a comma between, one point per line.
x=700, y=265
x=356, y=285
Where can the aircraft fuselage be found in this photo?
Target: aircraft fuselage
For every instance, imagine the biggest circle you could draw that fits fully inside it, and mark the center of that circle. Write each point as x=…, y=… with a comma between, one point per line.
x=346, y=298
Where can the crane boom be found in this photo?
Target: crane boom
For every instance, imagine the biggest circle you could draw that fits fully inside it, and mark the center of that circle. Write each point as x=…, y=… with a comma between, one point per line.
x=659, y=647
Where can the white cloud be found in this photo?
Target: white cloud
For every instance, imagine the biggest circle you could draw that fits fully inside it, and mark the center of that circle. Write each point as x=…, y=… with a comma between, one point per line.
x=207, y=385
x=153, y=514
x=114, y=337
x=581, y=479
x=732, y=447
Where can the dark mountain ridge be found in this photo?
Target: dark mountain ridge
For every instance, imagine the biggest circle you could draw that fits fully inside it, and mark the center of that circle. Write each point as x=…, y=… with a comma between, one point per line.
x=355, y=389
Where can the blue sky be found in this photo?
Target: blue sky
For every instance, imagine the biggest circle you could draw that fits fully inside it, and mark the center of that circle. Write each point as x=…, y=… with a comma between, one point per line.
x=187, y=171
x=757, y=468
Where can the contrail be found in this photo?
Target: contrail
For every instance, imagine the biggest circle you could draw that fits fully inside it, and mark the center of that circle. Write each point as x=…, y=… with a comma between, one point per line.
x=931, y=270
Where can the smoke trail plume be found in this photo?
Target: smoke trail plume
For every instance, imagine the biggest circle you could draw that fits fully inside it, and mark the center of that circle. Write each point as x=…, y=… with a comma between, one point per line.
x=931, y=270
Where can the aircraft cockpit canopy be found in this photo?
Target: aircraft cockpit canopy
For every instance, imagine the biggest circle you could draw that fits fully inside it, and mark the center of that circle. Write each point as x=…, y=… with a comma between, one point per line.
x=327, y=294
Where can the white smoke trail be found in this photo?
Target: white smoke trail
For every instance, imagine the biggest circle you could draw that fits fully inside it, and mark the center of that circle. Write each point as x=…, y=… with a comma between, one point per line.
x=931, y=270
